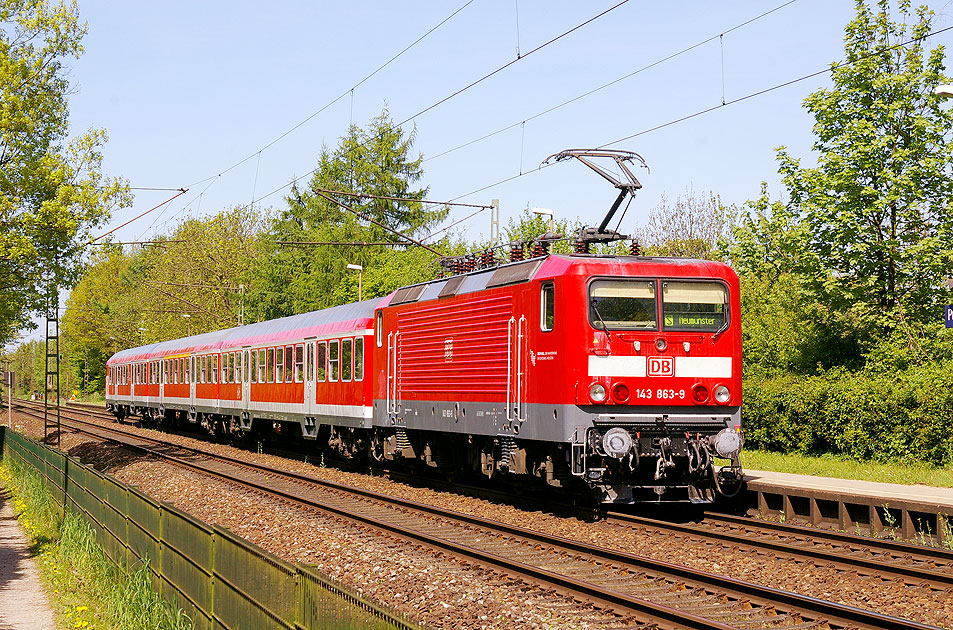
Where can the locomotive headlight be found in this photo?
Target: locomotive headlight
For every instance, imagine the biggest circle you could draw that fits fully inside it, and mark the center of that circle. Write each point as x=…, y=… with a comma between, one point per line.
x=617, y=442
x=727, y=443
x=722, y=395
x=597, y=392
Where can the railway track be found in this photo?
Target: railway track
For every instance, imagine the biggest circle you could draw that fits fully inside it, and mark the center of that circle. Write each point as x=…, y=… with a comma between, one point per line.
x=647, y=590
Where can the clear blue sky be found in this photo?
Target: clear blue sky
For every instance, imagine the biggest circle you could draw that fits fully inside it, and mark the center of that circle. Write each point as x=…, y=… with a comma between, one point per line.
x=187, y=89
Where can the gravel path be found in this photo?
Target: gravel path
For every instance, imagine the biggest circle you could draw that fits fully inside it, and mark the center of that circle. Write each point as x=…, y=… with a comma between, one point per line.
x=23, y=602
x=444, y=592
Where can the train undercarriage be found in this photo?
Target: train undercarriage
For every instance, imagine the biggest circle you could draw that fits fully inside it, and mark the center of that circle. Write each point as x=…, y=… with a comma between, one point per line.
x=612, y=465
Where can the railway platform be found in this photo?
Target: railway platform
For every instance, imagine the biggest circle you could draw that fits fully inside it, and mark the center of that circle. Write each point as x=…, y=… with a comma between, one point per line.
x=907, y=511
x=23, y=602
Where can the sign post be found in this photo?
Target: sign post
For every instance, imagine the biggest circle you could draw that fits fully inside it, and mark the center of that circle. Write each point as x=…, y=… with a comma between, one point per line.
x=948, y=316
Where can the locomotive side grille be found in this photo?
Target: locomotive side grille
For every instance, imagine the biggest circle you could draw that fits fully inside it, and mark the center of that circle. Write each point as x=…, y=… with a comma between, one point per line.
x=456, y=348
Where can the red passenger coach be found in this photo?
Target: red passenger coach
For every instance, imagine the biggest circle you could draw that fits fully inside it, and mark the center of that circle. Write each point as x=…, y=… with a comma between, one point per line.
x=300, y=371
x=617, y=373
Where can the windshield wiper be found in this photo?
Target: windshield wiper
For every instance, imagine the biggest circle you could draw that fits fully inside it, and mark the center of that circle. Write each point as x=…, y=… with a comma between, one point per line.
x=595, y=309
x=722, y=330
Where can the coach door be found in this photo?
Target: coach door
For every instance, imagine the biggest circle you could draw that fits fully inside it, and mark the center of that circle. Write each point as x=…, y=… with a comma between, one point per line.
x=310, y=403
x=246, y=379
x=516, y=370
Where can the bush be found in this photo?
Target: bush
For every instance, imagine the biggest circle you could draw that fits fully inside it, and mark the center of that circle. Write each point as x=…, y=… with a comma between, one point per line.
x=899, y=416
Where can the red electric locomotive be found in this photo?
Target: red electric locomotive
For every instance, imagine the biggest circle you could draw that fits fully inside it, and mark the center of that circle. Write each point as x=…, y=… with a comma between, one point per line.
x=618, y=373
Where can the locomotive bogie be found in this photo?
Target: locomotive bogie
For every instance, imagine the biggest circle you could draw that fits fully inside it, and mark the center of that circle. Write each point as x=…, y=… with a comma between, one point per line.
x=619, y=373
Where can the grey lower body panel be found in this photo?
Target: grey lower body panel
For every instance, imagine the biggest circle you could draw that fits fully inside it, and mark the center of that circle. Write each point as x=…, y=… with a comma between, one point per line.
x=551, y=423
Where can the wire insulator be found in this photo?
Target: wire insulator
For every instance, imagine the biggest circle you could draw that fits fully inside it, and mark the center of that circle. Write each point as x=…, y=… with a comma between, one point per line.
x=469, y=263
x=540, y=248
x=582, y=247
x=516, y=252
x=635, y=249
x=457, y=266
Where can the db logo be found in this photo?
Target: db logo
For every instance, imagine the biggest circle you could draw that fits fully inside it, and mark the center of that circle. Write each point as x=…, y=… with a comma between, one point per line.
x=661, y=366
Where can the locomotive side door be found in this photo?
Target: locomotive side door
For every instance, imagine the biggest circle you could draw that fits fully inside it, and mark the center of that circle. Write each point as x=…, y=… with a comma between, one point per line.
x=393, y=375
x=516, y=368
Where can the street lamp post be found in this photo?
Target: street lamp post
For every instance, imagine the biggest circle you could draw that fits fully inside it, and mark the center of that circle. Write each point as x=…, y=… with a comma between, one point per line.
x=141, y=330
x=360, y=280
x=546, y=212
x=188, y=318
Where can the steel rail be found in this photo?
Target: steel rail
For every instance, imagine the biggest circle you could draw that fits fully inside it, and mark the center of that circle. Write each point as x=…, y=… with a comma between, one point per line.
x=736, y=590
x=930, y=560
x=916, y=564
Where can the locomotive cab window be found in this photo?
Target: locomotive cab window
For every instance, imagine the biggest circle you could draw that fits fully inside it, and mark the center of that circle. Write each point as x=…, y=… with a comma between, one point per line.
x=379, y=328
x=694, y=306
x=547, y=307
x=623, y=305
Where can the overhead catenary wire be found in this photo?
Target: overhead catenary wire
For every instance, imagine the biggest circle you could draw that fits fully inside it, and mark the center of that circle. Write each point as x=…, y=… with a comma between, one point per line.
x=181, y=192
x=708, y=110
x=377, y=223
x=465, y=88
x=604, y=86
x=389, y=198
x=346, y=92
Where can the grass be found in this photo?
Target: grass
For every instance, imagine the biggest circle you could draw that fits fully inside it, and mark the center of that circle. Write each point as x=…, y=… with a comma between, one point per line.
x=832, y=466
x=86, y=588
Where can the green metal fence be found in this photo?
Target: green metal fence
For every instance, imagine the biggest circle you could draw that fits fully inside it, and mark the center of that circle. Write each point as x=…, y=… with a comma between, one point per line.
x=221, y=581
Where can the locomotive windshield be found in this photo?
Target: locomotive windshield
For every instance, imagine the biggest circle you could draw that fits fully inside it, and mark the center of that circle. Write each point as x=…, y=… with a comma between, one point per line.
x=694, y=306
x=623, y=304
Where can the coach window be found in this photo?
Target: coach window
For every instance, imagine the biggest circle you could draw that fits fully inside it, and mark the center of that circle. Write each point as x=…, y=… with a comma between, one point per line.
x=237, y=374
x=278, y=367
x=228, y=368
x=333, y=354
x=214, y=366
x=359, y=359
x=270, y=365
x=347, y=356
x=322, y=361
x=253, y=366
x=380, y=328
x=547, y=307
x=261, y=365
x=289, y=364
x=299, y=363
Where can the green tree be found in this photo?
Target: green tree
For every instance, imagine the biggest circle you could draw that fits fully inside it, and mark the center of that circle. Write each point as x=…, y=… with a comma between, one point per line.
x=52, y=192
x=691, y=226
x=876, y=206
x=373, y=172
